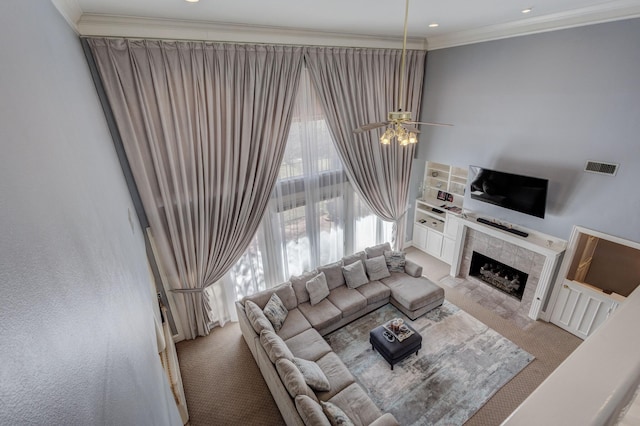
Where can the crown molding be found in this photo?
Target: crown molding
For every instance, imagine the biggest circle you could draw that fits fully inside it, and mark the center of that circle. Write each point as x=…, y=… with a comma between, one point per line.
x=70, y=10
x=607, y=12
x=172, y=29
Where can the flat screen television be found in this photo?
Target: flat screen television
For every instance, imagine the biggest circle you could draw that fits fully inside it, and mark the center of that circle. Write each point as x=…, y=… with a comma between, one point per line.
x=524, y=194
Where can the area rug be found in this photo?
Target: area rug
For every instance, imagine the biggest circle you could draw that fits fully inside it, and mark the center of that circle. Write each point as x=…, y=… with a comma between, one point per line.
x=462, y=363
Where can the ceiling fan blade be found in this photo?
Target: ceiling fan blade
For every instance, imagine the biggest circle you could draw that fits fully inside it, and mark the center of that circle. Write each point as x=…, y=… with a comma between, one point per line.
x=430, y=124
x=370, y=126
x=411, y=129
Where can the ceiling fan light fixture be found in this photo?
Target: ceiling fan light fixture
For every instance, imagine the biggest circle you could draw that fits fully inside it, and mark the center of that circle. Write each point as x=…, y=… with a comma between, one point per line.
x=397, y=119
x=387, y=136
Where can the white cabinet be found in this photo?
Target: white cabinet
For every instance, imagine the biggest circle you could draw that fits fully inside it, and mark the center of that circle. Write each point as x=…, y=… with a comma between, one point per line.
x=436, y=221
x=420, y=237
x=435, y=229
x=448, y=250
x=434, y=243
x=451, y=226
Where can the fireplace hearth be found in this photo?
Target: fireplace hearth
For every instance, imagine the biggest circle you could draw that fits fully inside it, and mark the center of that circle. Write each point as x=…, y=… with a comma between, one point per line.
x=498, y=275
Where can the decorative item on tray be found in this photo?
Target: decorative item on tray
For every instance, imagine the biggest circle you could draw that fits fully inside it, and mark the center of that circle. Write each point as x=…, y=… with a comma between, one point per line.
x=398, y=329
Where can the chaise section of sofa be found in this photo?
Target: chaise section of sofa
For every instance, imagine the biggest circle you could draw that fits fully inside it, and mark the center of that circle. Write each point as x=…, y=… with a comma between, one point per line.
x=305, y=324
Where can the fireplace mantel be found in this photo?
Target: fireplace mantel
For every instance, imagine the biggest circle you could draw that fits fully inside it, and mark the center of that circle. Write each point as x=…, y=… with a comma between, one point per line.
x=551, y=248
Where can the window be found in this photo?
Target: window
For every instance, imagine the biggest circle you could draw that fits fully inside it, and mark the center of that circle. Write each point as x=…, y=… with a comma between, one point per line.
x=314, y=216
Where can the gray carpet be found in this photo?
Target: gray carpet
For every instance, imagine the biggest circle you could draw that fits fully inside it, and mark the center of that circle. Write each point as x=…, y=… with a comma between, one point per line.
x=462, y=363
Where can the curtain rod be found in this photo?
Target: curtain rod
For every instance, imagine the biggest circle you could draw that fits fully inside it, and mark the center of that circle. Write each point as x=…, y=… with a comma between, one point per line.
x=241, y=43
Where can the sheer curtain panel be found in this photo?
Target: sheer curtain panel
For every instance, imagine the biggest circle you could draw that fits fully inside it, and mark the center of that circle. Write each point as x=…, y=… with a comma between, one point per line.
x=359, y=86
x=204, y=127
x=305, y=220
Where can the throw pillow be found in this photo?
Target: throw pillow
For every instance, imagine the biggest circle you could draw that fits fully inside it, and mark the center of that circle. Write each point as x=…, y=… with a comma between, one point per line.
x=377, y=268
x=395, y=260
x=293, y=379
x=275, y=312
x=311, y=412
x=256, y=317
x=317, y=288
x=378, y=250
x=313, y=375
x=274, y=346
x=336, y=416
x=284, y=291
x=333, y=274
x=299, y=283
x=352, y=258
x=354, y=274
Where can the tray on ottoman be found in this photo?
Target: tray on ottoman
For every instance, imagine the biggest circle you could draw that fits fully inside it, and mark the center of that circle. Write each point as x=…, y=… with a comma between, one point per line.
x=395, y=351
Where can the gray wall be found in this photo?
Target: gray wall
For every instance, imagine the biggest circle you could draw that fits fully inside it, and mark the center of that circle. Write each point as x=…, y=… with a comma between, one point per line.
x=77, y=338
x=542, y=105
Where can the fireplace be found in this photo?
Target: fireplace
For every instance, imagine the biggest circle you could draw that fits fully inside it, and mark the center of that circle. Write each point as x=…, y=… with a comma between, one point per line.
x=500, y=276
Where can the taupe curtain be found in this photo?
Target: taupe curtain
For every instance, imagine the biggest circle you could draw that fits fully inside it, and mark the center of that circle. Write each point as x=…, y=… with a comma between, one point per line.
x=204, y=127
x=359, y=86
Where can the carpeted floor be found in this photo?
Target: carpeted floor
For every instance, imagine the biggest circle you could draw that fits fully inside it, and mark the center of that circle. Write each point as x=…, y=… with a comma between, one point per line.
x=224, y=386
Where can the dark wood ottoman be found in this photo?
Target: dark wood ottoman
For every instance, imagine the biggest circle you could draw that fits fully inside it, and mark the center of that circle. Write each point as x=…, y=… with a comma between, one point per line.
x=395, y=351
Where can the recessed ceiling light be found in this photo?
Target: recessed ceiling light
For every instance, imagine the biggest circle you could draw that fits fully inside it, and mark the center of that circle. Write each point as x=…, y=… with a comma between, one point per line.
x=527, y=10
x=192, y=1
x=434, y=25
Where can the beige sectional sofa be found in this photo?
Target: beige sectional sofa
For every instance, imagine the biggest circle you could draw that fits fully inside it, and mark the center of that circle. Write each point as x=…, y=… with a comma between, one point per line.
x=300, y=337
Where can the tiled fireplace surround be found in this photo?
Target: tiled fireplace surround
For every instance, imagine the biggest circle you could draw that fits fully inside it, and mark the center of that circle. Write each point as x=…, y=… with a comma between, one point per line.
x=510, y=254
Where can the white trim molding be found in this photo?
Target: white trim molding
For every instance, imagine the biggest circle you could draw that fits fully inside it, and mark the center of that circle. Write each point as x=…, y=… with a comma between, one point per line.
x=606, y=12
x=70, y=10
x=172, y=29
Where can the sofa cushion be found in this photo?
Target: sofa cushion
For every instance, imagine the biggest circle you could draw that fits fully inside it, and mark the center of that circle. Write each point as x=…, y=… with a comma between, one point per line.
x=256, y=317
x=337, y=374
x=311, y=412
x=352, y=258
x=284, y=291
x=333, y=273
x=378, y=250
x=354, y=274
x=275, y=312
x=293, y=379
x=274, y=346
x=395, y=260
x=313, y=374
x=299, y=284
x=336, y=416
x=411, y=292
x=412, y=268
x=321, y=315
x=348, y=300
x=357, y=405
x=317, y=288
x=374, y=291
x=309, y=345
x=377, y=268
x=386, y=419
x=295, y=324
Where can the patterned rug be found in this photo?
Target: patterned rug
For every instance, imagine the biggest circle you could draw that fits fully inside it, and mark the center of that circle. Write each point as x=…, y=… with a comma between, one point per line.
x=462, y=363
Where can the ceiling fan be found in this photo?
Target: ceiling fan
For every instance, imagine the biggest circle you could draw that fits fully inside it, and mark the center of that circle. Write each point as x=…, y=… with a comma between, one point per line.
x=400, y=125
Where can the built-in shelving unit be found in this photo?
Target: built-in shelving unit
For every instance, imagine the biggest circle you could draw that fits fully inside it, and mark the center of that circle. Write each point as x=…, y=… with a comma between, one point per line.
x=435, y=226
x=443, y=177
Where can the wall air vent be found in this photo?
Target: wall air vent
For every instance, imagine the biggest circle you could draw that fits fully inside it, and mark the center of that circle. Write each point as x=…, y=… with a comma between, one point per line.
x=599, y=167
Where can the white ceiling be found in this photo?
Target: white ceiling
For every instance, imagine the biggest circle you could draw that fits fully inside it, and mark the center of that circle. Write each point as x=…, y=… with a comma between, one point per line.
x=458, y=19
